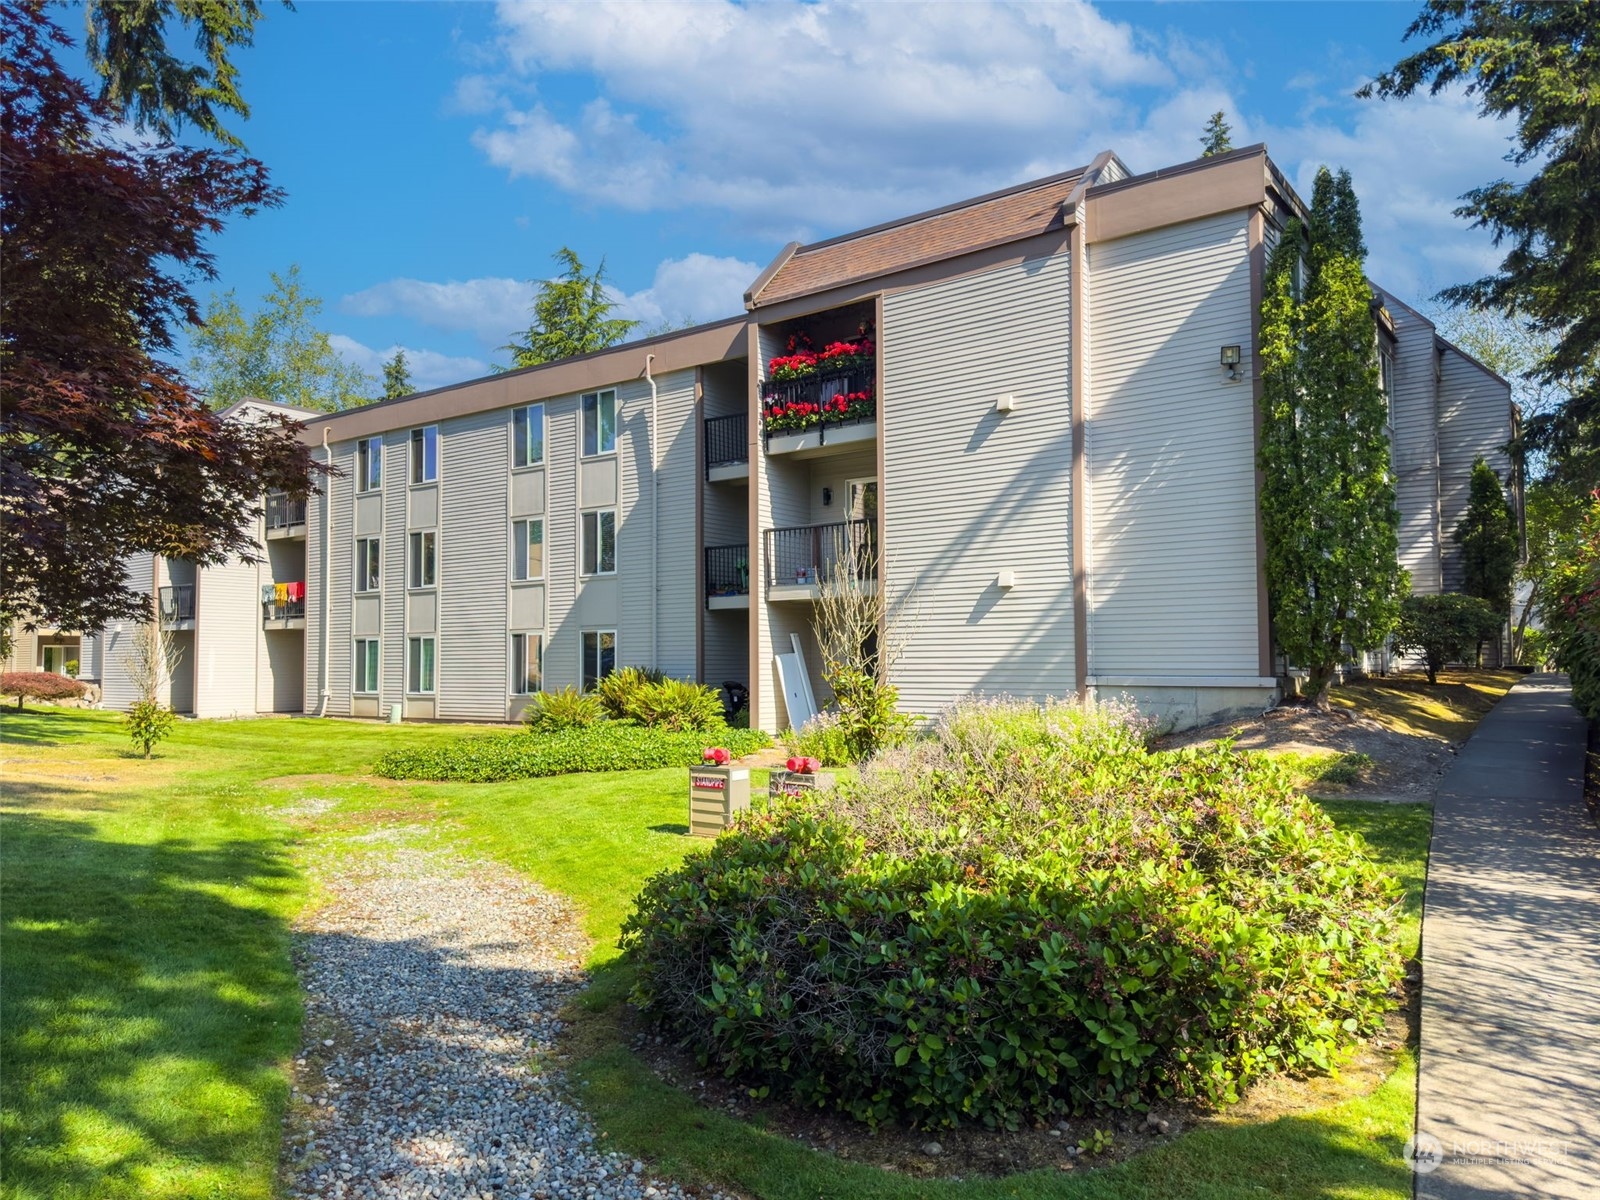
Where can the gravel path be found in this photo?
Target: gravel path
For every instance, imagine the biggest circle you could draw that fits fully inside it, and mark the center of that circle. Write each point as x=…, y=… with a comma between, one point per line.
x=432, y=992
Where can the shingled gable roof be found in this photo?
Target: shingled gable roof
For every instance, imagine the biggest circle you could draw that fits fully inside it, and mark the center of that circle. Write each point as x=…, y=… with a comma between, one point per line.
x=1017, y=212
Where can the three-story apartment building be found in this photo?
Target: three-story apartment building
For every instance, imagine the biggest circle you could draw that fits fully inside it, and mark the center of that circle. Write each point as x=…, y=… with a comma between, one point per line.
x=1028, y=419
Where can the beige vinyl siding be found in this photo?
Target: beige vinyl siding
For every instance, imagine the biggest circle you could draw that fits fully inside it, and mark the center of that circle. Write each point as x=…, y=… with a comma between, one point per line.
x=969, y=492
x=563, y=647
x=117, y=690
x=472, y=674
x=1171, y=454
x=226, y=637
x=392, y=571
x=341, y=566
x=676, y=536
x=1415, y=447
x=1474, y=419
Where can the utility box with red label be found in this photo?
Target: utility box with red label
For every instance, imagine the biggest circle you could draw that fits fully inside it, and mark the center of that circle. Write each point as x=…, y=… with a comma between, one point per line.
x=798, y=783
x=715, y=794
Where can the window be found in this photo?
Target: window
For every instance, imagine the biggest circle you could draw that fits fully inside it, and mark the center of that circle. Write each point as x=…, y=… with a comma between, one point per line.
x=366, y=666
x=599, y=423
x=369, y=464
x=600, y=543
x=419, y=665
x=424, y=559
x=599, y=657
x=527, y=663
x=527, y=549
x=366, y=564
x=425, y=454
x=527, y=431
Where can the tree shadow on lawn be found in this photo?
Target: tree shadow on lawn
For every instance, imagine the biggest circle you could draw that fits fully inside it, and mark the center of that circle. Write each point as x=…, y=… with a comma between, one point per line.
x=149, y=998
x=47, y=726
x=1315, y=1155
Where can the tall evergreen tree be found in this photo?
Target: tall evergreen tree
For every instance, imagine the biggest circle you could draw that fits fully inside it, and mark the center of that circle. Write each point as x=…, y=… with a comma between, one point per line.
x=1217, y=138
x=1327, y=497
x=397, y=376
x=571, y=315
x=1537, y=63
x=1487, y=535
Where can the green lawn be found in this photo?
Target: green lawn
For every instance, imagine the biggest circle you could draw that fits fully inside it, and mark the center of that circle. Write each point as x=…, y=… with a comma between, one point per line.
x=149, y=1001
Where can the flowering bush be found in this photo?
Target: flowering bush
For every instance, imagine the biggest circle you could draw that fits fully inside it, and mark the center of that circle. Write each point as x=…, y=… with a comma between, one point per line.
x=795, y=415
x=1026, y=914
x=801, y=359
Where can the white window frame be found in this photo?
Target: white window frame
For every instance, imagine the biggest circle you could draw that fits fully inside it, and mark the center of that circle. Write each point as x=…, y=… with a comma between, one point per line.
x=520, y=645
x=422, y=559
x=357, y=661
x=590, y=405
x=366, y=546
x=369, y=454
x=420, y=439
x=529, y=418
x=583, y=665
x=585, y=538
x=521, y=560
x=414, y=664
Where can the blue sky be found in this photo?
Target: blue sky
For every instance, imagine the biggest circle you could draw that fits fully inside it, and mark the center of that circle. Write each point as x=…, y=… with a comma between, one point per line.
x=436, y=154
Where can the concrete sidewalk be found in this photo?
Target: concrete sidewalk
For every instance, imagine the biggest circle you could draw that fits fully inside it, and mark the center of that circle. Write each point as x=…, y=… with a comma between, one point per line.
x=1510, y=1065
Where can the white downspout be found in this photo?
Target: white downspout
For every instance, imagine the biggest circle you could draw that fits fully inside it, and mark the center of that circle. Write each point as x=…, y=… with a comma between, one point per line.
x=327, y=571
x=655, y=550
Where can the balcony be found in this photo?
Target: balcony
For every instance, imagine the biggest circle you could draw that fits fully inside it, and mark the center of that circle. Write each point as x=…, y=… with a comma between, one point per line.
x=829, y=408
x=727, y=448
x=728, y=576
x=176, y=605
x=285, y=518
x=283, y=605
x=799, y=559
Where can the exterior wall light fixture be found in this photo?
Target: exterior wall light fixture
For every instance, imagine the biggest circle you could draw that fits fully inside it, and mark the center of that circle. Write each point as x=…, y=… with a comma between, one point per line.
x=1230, y=359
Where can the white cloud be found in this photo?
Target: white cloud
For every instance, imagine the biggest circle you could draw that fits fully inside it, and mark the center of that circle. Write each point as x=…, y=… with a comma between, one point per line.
x=492, y=309
x=698, y=103
x=695, y=288
x=429, y=368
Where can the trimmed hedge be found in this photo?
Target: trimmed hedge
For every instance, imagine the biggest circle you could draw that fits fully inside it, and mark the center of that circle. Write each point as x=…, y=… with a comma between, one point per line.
x=41, y=685
x=1028, y=914
x=604, y=746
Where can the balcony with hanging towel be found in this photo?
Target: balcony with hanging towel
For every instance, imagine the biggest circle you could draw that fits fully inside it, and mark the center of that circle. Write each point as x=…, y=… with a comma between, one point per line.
x=283, y=605
x=285, y=517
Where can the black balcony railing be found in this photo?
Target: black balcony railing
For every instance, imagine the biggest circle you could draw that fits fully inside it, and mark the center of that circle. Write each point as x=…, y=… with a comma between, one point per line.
x=813, y=554
x=728, y=570
x=727, y=441
x=284, y=513
x=857, y=381
x=285, y=604
x=177, y=603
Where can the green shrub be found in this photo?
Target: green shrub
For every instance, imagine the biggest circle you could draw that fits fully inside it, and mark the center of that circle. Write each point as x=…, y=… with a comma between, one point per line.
x=618, y=691
x=1444, y=628
x=148, y=723
x=603, y=746
x=1028, y=913
x=677, y=704
x=868, y=719
x=40, y=685
x=823, y=738
x=567, y=709
x=1572, y=613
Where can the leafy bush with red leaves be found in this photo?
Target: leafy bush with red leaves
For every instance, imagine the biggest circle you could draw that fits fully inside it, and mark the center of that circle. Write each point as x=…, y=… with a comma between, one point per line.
x=41, y=685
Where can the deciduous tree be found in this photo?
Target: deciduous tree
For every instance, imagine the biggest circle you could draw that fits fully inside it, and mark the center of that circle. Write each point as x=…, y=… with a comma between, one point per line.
x=1327, y=497
x=571, y=315
x=104, y=448
x=1537, y=64
x=276, y=353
